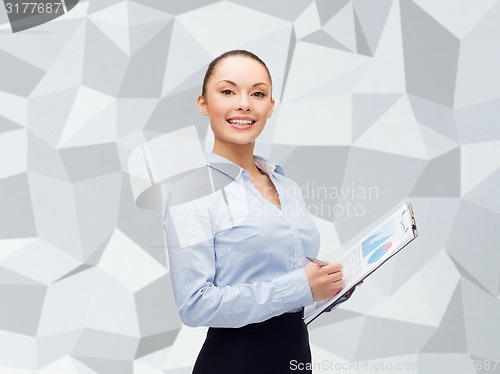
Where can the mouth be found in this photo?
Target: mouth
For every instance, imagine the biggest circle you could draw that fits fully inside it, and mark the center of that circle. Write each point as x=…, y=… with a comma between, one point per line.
x=241, y=122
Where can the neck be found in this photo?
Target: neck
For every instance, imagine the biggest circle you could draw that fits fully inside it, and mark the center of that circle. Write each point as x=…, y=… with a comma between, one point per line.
x=240, y=154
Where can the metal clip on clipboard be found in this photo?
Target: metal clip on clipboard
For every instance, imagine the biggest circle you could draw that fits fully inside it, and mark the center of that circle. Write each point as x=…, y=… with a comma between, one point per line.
x=411, y=219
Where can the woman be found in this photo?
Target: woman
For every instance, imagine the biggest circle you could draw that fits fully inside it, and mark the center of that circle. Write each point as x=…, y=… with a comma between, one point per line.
x=238, y=233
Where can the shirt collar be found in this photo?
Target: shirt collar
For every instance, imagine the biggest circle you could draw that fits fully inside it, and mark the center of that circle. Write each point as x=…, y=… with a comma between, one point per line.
x=233, y=170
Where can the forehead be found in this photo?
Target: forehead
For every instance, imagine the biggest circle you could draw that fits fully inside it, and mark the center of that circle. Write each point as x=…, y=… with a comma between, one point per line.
x=242, y=68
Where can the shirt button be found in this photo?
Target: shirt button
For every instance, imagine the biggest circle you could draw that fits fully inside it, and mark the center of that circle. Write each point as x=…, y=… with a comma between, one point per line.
x=293, y=228
x=299, y=264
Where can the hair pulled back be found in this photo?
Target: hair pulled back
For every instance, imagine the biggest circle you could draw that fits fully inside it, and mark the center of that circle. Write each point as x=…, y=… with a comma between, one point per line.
x=235, y=52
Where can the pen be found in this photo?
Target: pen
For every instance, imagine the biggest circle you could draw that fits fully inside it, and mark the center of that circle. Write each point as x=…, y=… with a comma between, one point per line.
x=316, y=261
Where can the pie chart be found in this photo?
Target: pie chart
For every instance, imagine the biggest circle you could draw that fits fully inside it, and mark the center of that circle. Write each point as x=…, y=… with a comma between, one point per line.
x=378, y=245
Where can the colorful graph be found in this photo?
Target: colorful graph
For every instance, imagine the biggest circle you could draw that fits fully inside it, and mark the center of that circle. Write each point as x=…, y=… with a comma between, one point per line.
x=377, y=244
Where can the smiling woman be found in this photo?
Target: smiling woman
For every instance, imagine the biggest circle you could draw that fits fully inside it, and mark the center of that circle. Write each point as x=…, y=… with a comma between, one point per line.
x=238, y=254
x=238, y=100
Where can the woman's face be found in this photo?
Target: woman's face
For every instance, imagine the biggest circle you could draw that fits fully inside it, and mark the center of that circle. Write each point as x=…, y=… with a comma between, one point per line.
x=237, y=100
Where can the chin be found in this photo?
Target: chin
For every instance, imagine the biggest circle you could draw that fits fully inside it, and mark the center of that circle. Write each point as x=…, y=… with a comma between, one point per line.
x=240, y=139
x=243, y=139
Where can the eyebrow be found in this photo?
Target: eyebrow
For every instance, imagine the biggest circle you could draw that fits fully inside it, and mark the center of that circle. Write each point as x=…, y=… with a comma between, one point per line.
x=234, y=84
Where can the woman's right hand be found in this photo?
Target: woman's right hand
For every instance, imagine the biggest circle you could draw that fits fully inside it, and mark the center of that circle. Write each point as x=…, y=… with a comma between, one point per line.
x=325, y=281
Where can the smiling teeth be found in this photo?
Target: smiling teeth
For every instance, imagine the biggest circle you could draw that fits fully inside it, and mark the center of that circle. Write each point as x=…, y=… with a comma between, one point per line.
x=240, y=122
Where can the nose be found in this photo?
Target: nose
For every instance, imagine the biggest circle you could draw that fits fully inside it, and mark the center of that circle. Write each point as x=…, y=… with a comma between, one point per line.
x=244, y=104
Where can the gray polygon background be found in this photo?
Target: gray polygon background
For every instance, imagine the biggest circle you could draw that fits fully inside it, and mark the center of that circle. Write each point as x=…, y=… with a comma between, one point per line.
x=401, y=97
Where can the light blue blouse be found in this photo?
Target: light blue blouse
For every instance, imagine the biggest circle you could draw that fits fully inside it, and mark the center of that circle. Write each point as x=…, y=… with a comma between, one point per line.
x=235, y=258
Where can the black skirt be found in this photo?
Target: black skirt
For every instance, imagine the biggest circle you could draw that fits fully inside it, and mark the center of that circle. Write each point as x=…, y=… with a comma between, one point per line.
x=278, y=345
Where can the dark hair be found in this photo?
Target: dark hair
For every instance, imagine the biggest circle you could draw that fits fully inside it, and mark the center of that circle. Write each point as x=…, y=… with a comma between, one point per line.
x=234, y=52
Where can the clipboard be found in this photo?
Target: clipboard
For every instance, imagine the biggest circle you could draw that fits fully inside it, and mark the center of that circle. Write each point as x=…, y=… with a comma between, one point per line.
x=406, y=219
x=411, y=217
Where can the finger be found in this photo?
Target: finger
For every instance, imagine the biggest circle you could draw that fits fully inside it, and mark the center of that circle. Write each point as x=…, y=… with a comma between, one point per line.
x=337, y=276
x=337, y=286
x=334, y=268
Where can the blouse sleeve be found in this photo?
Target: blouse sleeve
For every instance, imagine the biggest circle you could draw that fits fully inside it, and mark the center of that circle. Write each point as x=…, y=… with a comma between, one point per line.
x=199, y=301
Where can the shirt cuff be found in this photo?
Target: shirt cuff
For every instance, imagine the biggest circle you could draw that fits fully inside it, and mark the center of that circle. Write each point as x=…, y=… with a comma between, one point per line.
x=294, y=289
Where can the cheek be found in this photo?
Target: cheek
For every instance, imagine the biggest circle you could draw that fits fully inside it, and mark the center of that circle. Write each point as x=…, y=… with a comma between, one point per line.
x=219, y=111
x=264, y=110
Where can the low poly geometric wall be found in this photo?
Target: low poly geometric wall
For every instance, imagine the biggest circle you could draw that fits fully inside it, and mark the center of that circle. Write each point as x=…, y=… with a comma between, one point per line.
x=377, y=103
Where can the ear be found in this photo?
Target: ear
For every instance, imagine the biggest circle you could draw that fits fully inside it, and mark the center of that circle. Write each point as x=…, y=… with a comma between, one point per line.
x=271, y=108
x=202, y=105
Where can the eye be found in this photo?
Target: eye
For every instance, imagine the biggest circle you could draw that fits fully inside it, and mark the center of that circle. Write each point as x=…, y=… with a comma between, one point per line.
x=259, y=94
x=227, y=92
